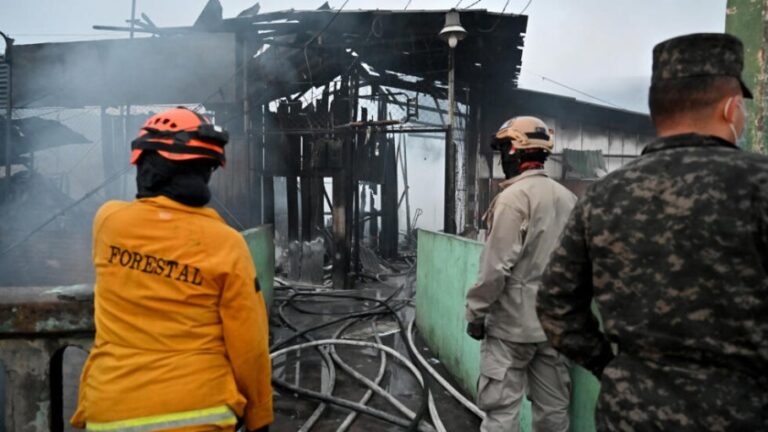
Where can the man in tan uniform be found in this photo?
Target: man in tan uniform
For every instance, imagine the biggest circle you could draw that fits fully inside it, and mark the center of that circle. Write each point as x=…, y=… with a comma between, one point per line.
x=524, y=223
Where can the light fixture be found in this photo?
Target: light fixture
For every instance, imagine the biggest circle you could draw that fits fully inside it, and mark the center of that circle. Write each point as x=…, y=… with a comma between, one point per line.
x=453, y=32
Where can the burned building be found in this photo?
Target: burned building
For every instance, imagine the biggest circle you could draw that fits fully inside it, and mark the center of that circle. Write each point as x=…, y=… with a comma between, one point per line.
x=322, y=107
x=327, y=111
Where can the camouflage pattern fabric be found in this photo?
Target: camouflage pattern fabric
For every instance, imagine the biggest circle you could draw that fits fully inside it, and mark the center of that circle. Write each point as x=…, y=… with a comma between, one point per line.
x=699, y=55
x=673, y=249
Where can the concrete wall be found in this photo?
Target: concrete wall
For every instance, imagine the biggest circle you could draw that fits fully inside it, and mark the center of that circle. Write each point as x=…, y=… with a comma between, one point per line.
x=261, y=243
x=446, y=268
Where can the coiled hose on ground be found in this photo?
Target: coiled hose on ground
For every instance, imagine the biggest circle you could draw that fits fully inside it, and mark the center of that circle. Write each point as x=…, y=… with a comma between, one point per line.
x=383, y=308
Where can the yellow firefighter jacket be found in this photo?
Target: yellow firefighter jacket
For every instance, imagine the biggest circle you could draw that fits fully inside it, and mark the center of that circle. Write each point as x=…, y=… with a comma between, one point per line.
x=181, y=331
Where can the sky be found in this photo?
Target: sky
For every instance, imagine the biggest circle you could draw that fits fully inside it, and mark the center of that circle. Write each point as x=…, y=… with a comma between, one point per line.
x=601, y=49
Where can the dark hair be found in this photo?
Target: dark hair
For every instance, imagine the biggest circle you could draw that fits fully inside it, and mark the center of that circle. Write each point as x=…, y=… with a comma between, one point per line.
x=669, y=100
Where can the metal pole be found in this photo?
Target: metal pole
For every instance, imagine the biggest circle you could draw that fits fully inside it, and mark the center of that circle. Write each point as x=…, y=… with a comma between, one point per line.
x=471, y=152
x=8, y=115
x=127, y=113
x=133, y=16
x=449, y=212
x=406, y=187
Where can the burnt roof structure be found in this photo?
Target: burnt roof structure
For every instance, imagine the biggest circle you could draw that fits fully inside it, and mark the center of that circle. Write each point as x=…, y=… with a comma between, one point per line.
x=321, y=45
x=306, y=95
x=284, y=53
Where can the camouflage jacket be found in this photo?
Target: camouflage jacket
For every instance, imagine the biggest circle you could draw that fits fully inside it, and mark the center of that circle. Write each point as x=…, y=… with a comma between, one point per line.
x=673, y=249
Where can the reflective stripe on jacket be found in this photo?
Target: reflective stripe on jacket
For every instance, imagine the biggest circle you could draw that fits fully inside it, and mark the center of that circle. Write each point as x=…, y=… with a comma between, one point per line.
x=528, y=217
x=180, y=326
x=221, y=415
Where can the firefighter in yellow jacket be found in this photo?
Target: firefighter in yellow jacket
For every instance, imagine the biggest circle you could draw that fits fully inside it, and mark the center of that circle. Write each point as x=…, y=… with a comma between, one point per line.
x=181, y=327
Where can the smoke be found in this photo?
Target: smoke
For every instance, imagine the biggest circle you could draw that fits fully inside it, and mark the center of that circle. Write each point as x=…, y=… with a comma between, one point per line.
x=88, y=87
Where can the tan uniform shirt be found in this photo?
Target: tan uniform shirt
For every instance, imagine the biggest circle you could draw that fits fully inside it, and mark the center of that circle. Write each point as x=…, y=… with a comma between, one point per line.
x=528, y=216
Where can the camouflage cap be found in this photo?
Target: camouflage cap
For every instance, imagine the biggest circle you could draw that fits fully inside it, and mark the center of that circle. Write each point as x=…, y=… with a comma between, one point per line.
x=699, y=54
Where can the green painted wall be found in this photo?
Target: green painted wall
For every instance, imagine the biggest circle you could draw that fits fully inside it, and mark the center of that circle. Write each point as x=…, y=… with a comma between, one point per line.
x=446, y=268
x=261, y=243
x=746, y=19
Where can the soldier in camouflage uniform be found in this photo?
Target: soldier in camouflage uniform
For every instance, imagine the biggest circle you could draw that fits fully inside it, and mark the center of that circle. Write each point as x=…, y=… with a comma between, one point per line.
x=673, y=249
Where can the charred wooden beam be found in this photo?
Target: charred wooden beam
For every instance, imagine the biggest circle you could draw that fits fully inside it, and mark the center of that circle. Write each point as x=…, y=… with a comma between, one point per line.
x=342, y=188
x=252, y=119
x=307, y=174
x=317, y=182
x=291, y=182
x=472, y=144
x=268, y=180
x=389, y=230
x=389, y=226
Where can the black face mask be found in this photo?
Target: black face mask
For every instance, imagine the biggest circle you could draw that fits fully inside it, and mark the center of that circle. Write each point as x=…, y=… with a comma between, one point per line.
x=510, y=164
x=182, y=181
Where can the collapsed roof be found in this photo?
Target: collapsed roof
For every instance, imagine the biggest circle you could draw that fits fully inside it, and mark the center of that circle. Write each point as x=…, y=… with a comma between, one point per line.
x=285, y=52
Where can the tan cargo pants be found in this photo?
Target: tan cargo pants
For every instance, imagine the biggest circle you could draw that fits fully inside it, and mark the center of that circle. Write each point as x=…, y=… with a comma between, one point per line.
x=507, y=370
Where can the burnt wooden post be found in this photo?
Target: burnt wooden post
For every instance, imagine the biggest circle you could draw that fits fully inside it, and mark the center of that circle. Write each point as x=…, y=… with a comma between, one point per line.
x=254, y=150
x=389, y=227
x=314, y=160
x=342, y=189
x=472, y=146
x=307, y=174
x=319, y=153
x=267, y=176
x=356, y=138
x=289, y=145
x=373, y=228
